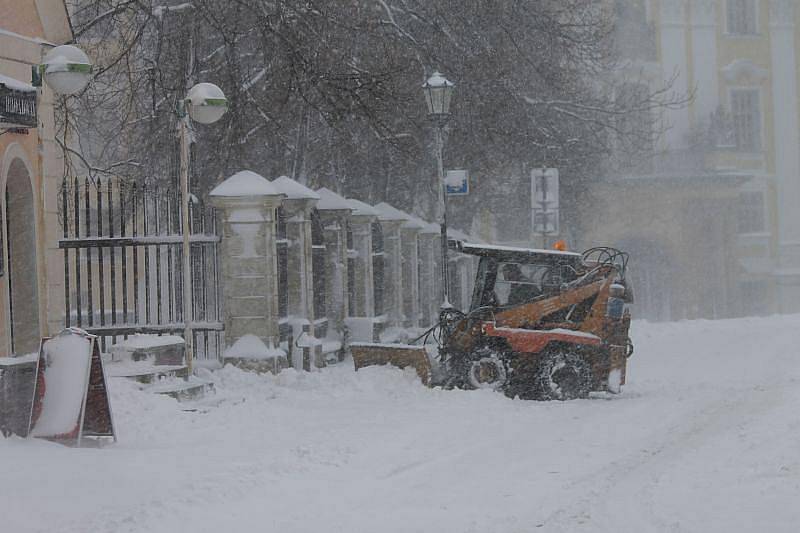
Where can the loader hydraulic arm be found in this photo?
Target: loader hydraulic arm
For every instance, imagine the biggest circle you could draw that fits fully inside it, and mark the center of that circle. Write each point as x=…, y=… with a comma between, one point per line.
x=530, y=313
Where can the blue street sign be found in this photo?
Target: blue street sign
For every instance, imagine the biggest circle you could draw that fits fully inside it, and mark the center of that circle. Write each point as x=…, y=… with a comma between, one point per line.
x=456, y=182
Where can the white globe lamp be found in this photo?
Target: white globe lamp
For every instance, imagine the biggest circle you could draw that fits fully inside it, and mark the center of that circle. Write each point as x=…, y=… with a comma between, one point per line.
x=67, y=69
x=207, y=103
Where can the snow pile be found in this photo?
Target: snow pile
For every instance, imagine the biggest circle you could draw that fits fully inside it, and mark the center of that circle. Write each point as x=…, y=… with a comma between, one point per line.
x=703, y=438
x=251, y=347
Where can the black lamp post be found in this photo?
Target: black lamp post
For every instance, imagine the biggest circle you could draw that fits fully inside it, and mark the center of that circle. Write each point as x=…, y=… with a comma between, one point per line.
x=438, y=93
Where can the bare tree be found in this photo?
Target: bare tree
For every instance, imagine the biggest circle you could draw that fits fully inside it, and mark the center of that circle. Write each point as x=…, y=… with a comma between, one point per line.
x=329, y=91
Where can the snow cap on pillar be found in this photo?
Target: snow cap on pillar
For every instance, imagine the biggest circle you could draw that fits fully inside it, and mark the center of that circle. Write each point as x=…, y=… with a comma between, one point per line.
x=426, y=228
x=299, y=198
x=294, y=190
x=361, y=209
x=389, y=212
x=245, y=183
x=330, y=201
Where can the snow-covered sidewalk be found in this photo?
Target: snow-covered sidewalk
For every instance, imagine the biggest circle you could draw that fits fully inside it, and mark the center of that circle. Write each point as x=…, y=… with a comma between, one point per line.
x=704, y=438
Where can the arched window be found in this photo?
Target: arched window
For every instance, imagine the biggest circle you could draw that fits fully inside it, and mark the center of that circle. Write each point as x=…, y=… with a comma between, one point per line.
x=318, y=265
x=282, y=249
x=377, y=267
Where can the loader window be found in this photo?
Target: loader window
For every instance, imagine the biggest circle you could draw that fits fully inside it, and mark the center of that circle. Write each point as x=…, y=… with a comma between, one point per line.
x=518, y=283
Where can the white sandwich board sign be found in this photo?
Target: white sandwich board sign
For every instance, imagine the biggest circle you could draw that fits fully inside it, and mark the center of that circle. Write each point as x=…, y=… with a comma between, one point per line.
x=70, y=399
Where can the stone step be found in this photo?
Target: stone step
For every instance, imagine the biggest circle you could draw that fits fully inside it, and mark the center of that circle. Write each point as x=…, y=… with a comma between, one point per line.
x=144, y=371
x=191, y=388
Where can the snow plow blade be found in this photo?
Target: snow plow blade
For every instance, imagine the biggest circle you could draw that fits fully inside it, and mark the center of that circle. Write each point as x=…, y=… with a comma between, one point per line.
x=399, y=355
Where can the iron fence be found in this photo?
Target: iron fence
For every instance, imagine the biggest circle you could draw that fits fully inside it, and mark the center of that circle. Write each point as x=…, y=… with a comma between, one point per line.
x=123, y=263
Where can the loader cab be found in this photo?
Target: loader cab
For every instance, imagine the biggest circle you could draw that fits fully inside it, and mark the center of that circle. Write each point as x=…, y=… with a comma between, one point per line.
x=512, y=276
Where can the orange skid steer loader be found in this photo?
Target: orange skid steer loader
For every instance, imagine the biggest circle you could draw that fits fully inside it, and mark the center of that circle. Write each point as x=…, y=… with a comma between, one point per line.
x=543, y=324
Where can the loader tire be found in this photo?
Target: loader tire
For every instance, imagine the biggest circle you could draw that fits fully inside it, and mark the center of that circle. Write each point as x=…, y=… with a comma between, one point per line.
x=562, y=375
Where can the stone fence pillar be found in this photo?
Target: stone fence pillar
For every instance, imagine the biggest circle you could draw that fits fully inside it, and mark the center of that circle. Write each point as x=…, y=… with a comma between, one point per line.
x=247, y=205
x=429, y=272
x=362, y=322
x=393, y=288
x=409, y=237
x=334, y=213
x=299, y=201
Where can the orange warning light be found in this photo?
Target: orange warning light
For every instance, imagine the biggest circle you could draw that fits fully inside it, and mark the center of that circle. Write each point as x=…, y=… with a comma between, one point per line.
x=560, y=245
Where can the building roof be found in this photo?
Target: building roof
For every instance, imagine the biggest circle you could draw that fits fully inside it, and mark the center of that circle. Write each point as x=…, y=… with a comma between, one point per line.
x=294, y=190
x=245, y=183
x=330, y=201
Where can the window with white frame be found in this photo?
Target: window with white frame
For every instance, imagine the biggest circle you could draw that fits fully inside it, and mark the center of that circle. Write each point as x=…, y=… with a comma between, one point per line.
x=742, y=17
x=751, y=212
x=746, y=115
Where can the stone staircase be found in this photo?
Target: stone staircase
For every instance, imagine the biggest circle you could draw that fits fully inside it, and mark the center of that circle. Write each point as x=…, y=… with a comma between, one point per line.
x=156, y=364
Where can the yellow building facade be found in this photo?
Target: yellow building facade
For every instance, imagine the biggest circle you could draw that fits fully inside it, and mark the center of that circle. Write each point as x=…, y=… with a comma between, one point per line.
x=31, y=170
x=722, y=199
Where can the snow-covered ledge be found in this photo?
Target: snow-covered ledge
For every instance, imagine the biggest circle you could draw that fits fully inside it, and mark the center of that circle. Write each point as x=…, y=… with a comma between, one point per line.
x=247, y=205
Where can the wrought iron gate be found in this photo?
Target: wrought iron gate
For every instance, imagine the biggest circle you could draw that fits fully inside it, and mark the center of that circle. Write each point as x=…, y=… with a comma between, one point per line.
x=123, y=263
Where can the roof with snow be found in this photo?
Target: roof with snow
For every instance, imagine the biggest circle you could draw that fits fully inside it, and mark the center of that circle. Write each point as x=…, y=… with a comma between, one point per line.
x=491, y=249
x=329, y=200
x=360, y=208
x=245, y=183
x=16, y=85
x=294, y=190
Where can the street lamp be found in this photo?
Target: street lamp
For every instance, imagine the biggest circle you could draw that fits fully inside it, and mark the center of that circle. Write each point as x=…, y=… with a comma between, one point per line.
x=438, y=93
x=205, y=103
x=65, y=68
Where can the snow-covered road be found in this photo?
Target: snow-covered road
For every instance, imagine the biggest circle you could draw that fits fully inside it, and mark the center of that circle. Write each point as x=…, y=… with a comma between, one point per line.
x=705, y=437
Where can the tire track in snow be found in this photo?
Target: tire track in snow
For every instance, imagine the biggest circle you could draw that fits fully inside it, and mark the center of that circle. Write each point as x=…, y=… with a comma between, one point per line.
x=716, y=419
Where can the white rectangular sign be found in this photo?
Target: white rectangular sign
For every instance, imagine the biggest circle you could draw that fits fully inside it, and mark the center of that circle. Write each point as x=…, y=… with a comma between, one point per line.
x=544, y=188
x=545, y=221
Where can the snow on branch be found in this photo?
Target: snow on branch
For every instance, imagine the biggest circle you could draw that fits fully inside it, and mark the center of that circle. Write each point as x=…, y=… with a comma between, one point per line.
x=158, y=11
x=255, y=79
